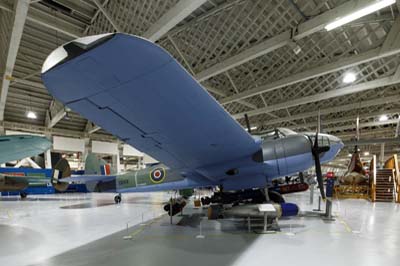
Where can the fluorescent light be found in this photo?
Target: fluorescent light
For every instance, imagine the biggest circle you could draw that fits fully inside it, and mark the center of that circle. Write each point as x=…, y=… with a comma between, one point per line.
x=349, y=77
x=31, y=115
x=359, y=13
x=383, y=118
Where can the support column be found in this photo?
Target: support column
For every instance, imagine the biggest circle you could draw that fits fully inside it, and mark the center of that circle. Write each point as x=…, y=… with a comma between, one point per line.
x=88, y=149
x=382, y=157
x=2, y=132
x=47, y=154
x=116, y=160
x=47, y=159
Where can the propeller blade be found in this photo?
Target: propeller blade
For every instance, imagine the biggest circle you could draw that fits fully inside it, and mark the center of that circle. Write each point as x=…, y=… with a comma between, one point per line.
x=318, y=171
x=316, y=150
x=246, y=118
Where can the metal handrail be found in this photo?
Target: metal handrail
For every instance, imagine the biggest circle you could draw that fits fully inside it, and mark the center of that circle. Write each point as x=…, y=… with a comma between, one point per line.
x=396, y=179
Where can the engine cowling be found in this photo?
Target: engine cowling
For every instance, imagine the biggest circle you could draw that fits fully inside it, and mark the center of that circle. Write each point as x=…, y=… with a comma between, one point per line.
x=287, y=155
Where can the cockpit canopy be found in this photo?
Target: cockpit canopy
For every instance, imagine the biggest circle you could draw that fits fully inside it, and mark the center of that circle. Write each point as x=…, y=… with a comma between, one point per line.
x=278, y=133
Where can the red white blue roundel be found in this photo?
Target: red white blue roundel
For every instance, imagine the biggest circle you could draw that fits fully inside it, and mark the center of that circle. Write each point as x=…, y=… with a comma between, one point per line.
x=157, y=175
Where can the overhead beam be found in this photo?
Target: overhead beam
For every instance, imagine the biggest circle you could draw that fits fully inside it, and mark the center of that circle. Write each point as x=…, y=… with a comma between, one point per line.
x=362, y=125
x=171, y=18
x=390, y=47
x=303, y=30
x=372, y=141
x=323, y=96
x=107, y=15
x=335, y=109
x=91, y=128
x=7, y=125
x=46, y=20
x=55, y=113
x=20, y=15
x=51, y=121
x=346, y=119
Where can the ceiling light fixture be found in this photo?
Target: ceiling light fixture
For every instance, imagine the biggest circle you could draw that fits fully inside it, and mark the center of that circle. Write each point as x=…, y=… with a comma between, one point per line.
x=377, y=5
x=366, y=153
x=349, y=77
x=31, y=115
x=383, y=118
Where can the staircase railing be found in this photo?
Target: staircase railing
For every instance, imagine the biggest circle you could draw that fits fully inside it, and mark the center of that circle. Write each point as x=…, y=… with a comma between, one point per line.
x=373, y=185
x=396, y=179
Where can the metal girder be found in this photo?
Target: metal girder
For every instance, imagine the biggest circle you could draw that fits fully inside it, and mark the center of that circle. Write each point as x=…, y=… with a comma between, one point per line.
x=107, y=15
x=91, y=128
x=390, y=47
x=303, y=30
x=170, y=19
x=323, y=96
x=47, y=21
x=20, y=15
x=26, y=82
x=372, y=141
x=51, y=121
x=55, y=113
x=330, y=110
x=52, y=131
x=362, y=125
x=346, y=119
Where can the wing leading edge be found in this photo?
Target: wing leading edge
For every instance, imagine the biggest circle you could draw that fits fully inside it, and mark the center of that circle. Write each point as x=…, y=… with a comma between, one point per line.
x=135, y=90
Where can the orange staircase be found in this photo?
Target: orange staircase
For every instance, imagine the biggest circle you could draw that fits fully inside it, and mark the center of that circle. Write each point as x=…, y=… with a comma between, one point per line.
x=384, y=186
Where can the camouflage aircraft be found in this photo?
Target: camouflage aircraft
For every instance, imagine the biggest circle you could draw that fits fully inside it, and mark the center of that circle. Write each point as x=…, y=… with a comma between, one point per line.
x=15, y=147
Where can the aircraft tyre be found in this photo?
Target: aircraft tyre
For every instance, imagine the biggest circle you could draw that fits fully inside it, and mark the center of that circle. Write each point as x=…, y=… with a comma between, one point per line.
x=275, y=197
x=23, y=195
x=117, y=199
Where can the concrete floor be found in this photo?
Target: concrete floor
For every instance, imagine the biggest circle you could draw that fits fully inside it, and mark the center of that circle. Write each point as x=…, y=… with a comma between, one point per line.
x=43, y=226
x=89, y=230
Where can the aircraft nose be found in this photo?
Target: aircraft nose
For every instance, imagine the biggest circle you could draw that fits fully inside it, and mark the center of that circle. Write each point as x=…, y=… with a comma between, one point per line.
x=336, y=142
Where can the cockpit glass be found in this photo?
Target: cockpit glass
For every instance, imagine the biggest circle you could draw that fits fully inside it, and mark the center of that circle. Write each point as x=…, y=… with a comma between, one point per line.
x=278, y=133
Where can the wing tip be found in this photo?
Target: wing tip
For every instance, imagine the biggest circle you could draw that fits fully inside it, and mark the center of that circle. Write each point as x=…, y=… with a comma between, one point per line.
x=73, y=49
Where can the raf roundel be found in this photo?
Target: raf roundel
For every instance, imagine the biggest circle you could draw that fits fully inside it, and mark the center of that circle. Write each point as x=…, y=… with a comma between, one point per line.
x=157, y=175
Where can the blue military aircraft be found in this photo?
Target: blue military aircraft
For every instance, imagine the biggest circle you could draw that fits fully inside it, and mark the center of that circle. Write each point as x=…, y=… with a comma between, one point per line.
x=138, y=92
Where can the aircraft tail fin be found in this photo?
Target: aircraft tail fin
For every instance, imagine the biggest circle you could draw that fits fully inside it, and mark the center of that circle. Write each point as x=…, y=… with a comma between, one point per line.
x=96, y=166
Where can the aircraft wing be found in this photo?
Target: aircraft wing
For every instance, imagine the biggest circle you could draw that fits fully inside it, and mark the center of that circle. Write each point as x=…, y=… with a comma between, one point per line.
x=17, y=147
x=135, y=90
x=87, y=178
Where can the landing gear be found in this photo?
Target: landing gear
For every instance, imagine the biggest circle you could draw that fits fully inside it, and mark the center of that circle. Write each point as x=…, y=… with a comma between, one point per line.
x=117, y=199
x=245, y=196
x=23, y=195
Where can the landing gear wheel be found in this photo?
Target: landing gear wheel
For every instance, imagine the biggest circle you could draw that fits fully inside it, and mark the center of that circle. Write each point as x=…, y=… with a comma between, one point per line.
x=117, y=199
x=23, y=195
x=275, y=197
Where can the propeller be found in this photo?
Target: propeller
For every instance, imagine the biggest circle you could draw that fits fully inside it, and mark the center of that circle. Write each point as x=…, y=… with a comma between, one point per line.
x=316, y=151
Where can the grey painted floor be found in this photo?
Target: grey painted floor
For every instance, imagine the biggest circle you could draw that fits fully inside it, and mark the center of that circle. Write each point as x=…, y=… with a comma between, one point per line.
x=362, y=234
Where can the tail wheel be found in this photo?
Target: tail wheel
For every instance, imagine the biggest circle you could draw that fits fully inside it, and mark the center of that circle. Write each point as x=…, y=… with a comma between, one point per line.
x=117, y=199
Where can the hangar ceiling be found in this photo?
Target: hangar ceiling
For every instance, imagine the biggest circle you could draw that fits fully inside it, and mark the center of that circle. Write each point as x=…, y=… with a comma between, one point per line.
x=270, y=59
